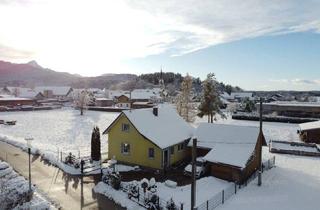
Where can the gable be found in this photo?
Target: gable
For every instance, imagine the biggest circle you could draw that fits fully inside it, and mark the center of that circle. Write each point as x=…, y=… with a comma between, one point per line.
x=117, y=123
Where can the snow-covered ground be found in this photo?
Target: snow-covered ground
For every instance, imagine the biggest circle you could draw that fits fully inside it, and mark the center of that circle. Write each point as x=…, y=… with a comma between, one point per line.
x=206, y=188
x=271, y=130
x=293, y=184
x=62, y=129
x=14, y=191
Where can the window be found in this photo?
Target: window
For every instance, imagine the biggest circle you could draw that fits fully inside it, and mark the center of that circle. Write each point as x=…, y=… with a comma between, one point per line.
x=125, y=148
x=172, y=150
x=125, y=127
x=180, y=146
x=151, y=153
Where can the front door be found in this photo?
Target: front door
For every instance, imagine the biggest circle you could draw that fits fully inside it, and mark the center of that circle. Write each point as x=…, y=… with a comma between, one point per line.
x=166, y=160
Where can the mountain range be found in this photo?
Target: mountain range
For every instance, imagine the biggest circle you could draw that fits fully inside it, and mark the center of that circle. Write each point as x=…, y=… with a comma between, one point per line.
x=32, y=74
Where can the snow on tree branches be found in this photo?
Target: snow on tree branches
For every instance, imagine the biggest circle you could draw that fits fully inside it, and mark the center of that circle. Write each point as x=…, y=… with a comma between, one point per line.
x=81, y=100
x=185, y=106
x=209, y=99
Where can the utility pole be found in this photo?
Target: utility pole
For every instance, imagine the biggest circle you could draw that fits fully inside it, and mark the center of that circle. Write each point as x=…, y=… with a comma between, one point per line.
x=260, y=145
x=193, y=183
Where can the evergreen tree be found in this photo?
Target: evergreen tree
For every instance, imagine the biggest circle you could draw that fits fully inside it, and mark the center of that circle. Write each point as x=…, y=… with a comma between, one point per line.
x=95, y=144
x=210, y=99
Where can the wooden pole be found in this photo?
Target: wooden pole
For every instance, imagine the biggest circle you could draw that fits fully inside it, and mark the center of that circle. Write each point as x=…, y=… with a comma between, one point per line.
x=193, y=183
x=260, y=145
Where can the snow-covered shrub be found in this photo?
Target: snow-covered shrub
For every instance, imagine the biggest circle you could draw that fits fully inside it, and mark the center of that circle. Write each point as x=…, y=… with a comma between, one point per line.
x=144, y=184
x=14, y=189
x=171, y=205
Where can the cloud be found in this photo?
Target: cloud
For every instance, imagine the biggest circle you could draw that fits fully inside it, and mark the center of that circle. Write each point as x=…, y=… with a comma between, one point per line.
x=297, y=81
x=91, y=37
x=208, y=22
x=8, y=53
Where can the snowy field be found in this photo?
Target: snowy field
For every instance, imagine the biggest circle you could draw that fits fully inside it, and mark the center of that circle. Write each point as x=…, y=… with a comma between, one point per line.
x=271, y=130
x=62, y=129
x=293, y=184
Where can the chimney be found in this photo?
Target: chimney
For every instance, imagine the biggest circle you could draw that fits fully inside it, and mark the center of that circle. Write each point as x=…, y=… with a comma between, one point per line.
x=155, y=111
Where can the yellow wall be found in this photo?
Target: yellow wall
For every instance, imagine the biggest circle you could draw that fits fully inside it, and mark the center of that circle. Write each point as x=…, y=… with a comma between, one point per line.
x=139, y=147
x=178, y=155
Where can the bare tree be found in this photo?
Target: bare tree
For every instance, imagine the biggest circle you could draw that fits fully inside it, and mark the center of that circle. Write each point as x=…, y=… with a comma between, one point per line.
x=81, y=100
x=16, y=92
x=185, y=106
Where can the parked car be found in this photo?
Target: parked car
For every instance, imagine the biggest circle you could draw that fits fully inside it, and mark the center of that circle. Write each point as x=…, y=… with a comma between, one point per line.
x=200, y=168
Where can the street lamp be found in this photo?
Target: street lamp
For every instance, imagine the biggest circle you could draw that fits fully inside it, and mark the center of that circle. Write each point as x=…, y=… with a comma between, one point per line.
x=29, y=141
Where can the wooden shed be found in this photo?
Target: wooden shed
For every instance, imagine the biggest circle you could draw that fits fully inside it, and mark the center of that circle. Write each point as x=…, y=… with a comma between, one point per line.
x=310, y=132
x=233, y=152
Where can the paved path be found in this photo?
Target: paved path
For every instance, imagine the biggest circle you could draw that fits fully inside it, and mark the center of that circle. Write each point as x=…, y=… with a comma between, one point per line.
x=71, y=192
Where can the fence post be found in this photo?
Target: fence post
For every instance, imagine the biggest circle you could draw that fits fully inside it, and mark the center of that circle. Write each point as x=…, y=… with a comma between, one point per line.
x=222, y=196
x=82, y=163
x=207, y=204
x=274, y=160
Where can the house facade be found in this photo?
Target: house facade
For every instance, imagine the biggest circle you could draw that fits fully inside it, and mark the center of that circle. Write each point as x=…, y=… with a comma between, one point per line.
x=142, y=137
x=122, y=101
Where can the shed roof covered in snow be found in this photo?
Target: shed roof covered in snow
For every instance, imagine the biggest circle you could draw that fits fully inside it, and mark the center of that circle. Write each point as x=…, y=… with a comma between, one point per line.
x=310, y=125
x=164, y=130
x=56, y=90
x=229, y=144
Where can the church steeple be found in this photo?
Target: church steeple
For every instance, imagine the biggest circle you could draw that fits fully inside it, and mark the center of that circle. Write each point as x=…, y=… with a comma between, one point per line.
x=161, y=81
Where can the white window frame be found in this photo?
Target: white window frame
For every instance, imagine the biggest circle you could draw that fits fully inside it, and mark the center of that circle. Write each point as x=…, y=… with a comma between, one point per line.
x=123, y=146
x=123, y=127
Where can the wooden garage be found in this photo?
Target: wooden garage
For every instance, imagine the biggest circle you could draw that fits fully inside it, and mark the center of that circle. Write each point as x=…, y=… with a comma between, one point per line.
x=234, y=151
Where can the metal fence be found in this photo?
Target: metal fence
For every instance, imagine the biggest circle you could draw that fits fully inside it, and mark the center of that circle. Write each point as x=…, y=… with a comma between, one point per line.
x=225, y=194
x=143, y=199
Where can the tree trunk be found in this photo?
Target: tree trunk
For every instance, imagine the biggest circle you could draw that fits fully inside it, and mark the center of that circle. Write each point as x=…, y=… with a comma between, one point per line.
x=81, y=110
x=211, y=116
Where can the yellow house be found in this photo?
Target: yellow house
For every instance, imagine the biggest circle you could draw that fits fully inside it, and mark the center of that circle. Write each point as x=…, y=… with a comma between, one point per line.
x=153, y=138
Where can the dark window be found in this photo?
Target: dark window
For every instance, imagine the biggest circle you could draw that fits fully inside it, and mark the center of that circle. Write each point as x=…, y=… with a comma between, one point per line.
x=172, y=150
x=180, y=146
x=125, y=127
x=151, y=153
x=125, y=148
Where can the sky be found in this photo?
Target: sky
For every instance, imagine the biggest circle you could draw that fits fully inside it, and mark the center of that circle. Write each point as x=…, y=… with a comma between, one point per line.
x=255, y=44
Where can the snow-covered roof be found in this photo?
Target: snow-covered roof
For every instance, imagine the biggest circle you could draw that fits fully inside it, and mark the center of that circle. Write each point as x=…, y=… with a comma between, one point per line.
x=104, y=99
x=144, y=94
x=293, y=104
x=59, y=91
x=241, y=95
x=309, y=125
x=229, y=144
x=164, y=130
x=27, y=93
x=15, y=99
